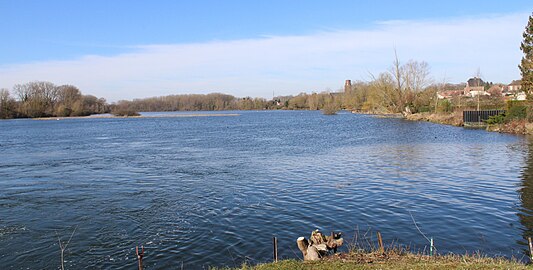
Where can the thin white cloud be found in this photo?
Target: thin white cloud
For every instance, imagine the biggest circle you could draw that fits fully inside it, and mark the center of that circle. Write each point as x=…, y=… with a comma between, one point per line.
x=291, y=64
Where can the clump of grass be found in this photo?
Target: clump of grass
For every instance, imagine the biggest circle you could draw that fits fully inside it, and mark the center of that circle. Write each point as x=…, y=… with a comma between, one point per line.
x=366, y=253
x=125, y=112
x=395, y=261
x=330, y=107
x=329, y=110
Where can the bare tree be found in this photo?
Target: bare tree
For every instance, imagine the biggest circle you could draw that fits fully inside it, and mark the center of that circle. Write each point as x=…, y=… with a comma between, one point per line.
x=68, y=97
x=37, y=98
x=409, y=79
x=313, y=102
x=396, y=72
x=6, y=104
x=385, y=96
x=22, y=91
x=68, y=94
x=416, y=75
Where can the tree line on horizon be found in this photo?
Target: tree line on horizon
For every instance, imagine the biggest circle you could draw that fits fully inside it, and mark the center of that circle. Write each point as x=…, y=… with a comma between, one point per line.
x=221, y=102
x=193, y=102
x=406, y=87
x=45, y=99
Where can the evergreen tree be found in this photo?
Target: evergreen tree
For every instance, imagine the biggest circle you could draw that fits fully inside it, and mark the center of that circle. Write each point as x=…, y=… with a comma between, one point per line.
x=526, y=65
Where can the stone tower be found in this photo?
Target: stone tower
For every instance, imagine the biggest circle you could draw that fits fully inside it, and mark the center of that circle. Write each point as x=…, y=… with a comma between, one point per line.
x=347, y=86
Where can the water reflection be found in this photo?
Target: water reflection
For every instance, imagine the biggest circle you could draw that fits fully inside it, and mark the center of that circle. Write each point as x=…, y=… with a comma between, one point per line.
x=525, y=214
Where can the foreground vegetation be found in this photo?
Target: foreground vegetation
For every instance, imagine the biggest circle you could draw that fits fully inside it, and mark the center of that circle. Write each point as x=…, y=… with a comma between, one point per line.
x=368, y=253
x=407, y=261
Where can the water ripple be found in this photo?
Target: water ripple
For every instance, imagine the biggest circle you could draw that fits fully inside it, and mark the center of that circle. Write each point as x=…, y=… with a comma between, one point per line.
x=213, y=191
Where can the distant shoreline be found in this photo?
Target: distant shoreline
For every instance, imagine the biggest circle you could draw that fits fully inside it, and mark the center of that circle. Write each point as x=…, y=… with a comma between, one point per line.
x=141, y=116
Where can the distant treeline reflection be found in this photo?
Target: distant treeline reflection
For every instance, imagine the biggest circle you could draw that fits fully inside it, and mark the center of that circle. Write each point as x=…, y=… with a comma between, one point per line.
x=525, y=214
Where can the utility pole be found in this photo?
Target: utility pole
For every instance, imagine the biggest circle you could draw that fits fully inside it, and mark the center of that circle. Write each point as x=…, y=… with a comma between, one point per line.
x=478, y=82
x=478, y=102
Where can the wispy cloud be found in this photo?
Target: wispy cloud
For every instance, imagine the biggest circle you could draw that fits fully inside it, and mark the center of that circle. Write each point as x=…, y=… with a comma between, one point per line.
x=291, y=64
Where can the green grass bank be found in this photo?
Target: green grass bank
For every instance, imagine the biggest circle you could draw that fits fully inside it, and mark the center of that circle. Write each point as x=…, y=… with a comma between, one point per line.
x=395, y=261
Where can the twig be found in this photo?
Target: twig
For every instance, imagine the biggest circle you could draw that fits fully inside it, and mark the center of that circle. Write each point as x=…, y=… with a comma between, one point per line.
x=380, y=242
x=231, y=255
x=429, y=240
x=352, y=245
x=364, y=236
x=64, y=247
x=530, y=248
x=296, y=255
x=414, y=222
x=275, y=242
x=356, y=238
x=140, y=256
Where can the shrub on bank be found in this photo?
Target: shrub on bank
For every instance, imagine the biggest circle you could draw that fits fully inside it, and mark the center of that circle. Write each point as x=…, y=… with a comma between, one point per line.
x=516, y=113
x=445, y=106
x=329, y=111
x=496, y=119
x=330, y=108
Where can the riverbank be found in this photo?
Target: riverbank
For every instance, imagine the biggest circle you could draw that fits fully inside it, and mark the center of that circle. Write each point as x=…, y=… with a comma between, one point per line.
x=514, y=127
x=454, y=119
x=395, y=261
x=520, y=127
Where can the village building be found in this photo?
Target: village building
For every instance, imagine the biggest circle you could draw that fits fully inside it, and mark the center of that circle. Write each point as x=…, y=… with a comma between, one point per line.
x=513, y=91
x=520, y=96
x=475, y=87
x=347, y=86
x=496, y=90
x=448, y=94
x=515, y=86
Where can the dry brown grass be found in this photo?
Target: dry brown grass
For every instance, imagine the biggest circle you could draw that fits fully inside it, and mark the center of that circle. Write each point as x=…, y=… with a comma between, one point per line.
x=365, y=253
x=396, y=261
x=454, y=119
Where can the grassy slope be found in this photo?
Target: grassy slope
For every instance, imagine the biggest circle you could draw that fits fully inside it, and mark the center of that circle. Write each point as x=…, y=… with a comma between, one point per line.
x=404, y=261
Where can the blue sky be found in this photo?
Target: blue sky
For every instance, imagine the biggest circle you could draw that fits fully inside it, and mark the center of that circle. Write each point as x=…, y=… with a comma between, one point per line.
x=132, y=49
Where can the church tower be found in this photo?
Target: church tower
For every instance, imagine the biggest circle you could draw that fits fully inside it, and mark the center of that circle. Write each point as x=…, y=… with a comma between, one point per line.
x=347, y=86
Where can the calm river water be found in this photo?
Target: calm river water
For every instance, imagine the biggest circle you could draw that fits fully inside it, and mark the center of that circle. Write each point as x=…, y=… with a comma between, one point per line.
x=212, y=191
